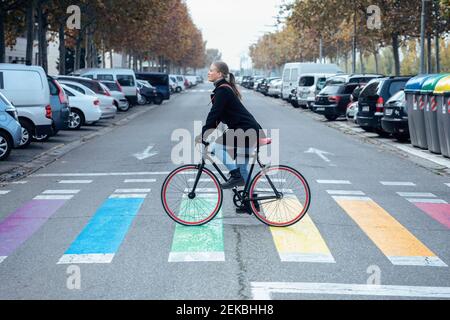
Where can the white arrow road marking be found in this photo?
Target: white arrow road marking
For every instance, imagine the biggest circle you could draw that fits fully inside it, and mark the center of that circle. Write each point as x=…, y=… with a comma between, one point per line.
x=320, y=153
x=146, y=154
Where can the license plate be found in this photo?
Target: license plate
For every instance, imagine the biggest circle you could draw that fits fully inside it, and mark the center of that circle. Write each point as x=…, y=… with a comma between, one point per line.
x=320, y=109
x=388, y=112
x=366, y=109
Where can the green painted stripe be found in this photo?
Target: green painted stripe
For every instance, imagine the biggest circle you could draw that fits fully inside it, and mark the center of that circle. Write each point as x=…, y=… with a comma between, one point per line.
x=199, y=239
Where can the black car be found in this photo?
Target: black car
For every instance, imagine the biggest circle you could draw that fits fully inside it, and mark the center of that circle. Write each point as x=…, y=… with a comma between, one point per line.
x=159, y=80
x=333, y=100
x=395, y=119
x=246, y=80
x=149, y=92
x=372, y=98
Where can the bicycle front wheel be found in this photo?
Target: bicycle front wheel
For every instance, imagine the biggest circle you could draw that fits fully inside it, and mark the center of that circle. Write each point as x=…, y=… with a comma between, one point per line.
x=294, y=200
x=191, y=209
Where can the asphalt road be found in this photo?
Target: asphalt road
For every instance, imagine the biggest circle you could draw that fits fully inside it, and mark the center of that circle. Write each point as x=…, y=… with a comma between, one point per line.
x=377, y=228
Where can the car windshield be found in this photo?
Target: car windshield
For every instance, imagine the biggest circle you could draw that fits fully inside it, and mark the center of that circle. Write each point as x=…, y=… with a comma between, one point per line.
x=108, y=77
x=307, y=81
x=333, y=89
x=126, y=80
x=111, y=86
x=399, y=96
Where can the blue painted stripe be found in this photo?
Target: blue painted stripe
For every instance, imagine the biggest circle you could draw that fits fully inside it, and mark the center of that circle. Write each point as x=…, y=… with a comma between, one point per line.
x=107, y=229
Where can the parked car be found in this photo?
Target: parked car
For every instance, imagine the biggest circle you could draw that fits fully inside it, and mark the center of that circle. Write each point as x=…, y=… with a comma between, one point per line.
x=246, y=81
x=60, y=109
x=84, y=109
x=192, y=80
x=274, y=88
x=159, y=80
x=352, y=78
x=26, y=87
x=107, y=106
x=352, y=108
x=372, y=98
x=116, y=91
x=173, y=85
x=10, y=129
x=395, y=119
x=264, y=86
x=149, y=93
x=333, y=100
x=293, y=71
x=125, y=77
x=200, y=79
x=309, y=85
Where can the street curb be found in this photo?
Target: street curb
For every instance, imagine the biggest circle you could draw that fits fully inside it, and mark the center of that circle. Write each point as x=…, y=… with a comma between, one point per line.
x=50, y=156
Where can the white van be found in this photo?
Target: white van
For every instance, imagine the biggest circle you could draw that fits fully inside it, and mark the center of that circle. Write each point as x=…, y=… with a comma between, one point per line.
x=308, y=86
x=26, y=87
x=293, y=71
x=125, y=77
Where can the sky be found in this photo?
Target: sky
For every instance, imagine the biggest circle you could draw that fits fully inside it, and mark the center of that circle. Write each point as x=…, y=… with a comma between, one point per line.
x=233, y=25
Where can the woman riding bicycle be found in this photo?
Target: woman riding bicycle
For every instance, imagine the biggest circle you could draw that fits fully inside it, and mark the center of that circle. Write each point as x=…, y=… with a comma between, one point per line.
x=232, y=149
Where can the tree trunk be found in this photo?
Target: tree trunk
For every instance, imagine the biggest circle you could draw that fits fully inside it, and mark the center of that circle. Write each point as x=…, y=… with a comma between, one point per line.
x=42, y=20
x=30, y=33
x=395, y=49
x=361, y=59
x=77, y=60
x=429, y=55
x=438, y=55
x=2, y=37
x=377, y=63
x=111, y=57
x=62, y=48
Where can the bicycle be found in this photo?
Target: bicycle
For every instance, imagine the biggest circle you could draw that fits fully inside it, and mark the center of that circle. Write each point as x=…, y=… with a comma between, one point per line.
x=278, y=196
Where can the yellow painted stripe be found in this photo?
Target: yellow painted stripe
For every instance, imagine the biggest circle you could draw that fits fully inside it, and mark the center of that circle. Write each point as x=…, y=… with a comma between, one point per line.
x=301, y=242
x=399, y=245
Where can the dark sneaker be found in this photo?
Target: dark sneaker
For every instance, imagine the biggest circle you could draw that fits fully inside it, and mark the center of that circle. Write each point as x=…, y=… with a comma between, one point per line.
x=236, y=180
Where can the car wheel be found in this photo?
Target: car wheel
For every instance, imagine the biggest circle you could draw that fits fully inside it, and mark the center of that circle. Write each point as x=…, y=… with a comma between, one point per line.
x=158, y=99
x=367, y=129
x=75, y=119
x=382, y=133
x=142, y=100
x=402, y=137
x=5, y=146
x=124, y=108
x=331, y=117
x=27, y=131
x=295, y=104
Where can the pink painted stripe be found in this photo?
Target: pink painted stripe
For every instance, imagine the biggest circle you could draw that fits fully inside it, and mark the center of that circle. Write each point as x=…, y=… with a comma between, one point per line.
x=24, y=222
x=438, y=211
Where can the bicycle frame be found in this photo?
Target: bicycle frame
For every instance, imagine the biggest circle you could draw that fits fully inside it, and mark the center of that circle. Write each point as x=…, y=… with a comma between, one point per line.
x=245, y=197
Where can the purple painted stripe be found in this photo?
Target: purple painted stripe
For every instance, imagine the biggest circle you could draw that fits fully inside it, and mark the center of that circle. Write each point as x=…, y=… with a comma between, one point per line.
x=438, y=211
x=24, y=222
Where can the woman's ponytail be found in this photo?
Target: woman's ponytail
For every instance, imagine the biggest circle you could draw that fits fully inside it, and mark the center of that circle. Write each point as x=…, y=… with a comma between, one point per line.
x=233, y=85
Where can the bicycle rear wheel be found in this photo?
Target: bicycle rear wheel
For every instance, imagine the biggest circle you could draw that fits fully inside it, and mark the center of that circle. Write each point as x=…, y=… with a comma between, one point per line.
x=198, y=209
x=295, y=198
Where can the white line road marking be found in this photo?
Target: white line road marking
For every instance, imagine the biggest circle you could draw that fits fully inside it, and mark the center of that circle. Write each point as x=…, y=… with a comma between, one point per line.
x=2, y=258
x=19, y=182
x=395, y=183
x=320, y=153
x=419, y=200
x=270, y=190
x=345, y=192
x=75, y=181
x=128, y=196
x=145, y=154
x=196, y=256
x=263, y=290
x=86, y=258
x=61, y=192
x=201, y=180
x=139, y=180
x=103, y=174
x=333, y=182
x=416, y=194
x=273, y=180
x=307, y=257
x=3, y=192
x=417, y=261
x=133, y=191
x=448, y=185
x=53, y=197
x=351, y=198
x=204, y=190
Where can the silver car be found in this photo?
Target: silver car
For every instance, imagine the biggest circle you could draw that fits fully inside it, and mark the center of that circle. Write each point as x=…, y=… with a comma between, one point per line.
x=116, y=92
x=10, y=129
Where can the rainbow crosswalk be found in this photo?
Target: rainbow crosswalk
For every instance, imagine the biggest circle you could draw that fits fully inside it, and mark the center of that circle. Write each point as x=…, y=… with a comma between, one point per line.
x=99, y=241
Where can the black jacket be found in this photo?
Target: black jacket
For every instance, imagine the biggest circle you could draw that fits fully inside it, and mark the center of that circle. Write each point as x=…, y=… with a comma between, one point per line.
x=228, y=109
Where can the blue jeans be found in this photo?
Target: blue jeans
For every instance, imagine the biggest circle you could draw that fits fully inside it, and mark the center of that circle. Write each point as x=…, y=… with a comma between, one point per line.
x=240, y=163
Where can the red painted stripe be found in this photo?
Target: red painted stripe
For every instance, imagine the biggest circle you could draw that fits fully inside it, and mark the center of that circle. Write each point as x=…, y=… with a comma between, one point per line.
x=438, y=211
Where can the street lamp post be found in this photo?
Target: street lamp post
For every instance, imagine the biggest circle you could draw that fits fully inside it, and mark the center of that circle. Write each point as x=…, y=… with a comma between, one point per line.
x=422, y=38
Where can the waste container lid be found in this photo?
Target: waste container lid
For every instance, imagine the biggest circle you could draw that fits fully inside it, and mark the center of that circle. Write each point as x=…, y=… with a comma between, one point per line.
x=430, y=84
x=415, y=84
x=443, y=86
